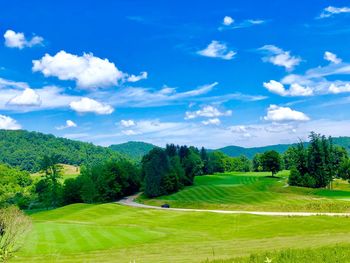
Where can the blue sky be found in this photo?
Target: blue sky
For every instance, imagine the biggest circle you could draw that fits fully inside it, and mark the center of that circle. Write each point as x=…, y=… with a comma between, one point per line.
x=246, y=73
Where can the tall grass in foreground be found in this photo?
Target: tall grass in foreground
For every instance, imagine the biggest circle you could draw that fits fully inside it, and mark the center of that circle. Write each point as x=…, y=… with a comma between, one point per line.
x=332, y=254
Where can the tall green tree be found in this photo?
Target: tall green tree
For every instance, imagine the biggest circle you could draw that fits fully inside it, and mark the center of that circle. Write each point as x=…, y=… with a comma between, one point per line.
x=271, y=161
x=155, y=166
x=52, y=172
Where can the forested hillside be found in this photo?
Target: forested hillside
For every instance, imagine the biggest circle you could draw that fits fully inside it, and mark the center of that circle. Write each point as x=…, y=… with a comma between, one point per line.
x=250, y=152
x=134, y=150
x=25, y=149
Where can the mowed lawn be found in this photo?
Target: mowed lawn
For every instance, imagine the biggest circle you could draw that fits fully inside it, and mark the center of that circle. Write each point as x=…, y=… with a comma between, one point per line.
x=115, y=233
x=68, y=171
x=256, y=192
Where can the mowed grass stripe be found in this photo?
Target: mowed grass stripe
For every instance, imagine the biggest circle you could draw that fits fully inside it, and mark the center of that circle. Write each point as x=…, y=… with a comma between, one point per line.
x=256, y=191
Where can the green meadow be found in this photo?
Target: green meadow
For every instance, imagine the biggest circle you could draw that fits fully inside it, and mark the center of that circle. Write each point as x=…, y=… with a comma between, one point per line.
x=256, y=192
x=115, y=233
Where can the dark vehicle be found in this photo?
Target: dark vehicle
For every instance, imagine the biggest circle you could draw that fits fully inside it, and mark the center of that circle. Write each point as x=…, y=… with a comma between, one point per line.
x=165, y=206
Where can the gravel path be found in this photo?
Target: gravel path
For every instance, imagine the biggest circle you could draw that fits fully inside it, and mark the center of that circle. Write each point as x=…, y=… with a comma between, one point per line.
x=130, y=201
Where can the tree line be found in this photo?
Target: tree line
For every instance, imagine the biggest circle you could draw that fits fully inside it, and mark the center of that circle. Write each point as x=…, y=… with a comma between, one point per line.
x=166, y=171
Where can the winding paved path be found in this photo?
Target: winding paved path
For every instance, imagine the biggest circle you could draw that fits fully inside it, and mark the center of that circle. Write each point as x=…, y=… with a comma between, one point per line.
x=130, y=201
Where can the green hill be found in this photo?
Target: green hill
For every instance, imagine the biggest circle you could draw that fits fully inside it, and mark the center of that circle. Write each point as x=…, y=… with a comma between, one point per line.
x=250, y=152
x=134, y=150
x=25, y=149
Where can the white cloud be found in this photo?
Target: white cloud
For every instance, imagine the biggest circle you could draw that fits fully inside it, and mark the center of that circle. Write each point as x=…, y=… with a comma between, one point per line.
x=294, y=90
x=228, y=21
x=145, y=97
x=88, y=71
x=18, y=96
x=281, y=114
x=217, y=49
x=336, y=89
x=7, y=123
x=5, y=83
x=127, y=123
x=331, y=10
x=87, y=105
x=130, y=132
x=134, y=78
x=331, y=57
x=69, y=124
x=18, y=40
x=316, y=79
x=279, y=57
x=208, y=112
x=28, y=97
x=214, y=121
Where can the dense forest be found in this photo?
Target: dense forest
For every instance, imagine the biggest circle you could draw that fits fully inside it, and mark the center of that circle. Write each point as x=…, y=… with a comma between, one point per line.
x=134, y=150
x=24, y=149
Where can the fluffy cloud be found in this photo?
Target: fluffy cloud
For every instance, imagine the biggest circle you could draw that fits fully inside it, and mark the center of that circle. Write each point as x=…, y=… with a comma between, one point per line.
x=28, y=97
x=294, y=90
x=69, y=124
x=134, y=78
x=228, y=21
x=331, y=11
x=88, y=71
x=279, y=57
x=127, y=123
x=336, y=89
x=7, y=123
x=208, y=112
x=315, y=81
x=217, y=49
x=18, y=96
x=331, y=57
x=87, y=105
x=281, y=114
x=18, y=40
x=214, y=121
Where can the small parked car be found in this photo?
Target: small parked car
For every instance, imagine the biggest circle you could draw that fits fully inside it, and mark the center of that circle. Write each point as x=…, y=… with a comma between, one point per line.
x=165, y=206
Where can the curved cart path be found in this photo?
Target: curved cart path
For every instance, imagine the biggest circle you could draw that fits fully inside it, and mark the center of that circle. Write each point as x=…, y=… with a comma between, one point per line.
x=130, y=201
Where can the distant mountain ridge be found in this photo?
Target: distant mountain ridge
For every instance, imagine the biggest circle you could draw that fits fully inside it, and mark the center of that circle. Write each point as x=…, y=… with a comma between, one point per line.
x=234, y=151
x=134, y=150
x=25, y=149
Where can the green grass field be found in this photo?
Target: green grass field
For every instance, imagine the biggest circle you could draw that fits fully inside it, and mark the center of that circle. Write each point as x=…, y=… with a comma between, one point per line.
x=256, y=192
x=332, y=254
x=68, y=171
x=114, y=233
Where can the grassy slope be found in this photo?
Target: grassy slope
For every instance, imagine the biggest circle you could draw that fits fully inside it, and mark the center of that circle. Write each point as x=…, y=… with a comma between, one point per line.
x=333, y=254
x=113, y=233
x=68, y=171
x=256, y=192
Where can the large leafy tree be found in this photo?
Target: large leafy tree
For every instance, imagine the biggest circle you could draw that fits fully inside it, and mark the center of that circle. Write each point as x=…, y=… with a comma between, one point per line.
x=271, y=161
